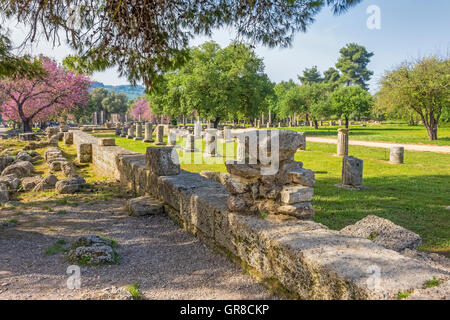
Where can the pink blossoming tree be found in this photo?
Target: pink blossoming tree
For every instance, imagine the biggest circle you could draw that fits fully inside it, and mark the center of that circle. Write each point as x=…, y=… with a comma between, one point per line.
x=40, y=99
x=141, y=111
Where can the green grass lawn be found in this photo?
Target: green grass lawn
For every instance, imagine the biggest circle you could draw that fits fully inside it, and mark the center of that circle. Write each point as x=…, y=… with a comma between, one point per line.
x=413, y=195
x=400, y=133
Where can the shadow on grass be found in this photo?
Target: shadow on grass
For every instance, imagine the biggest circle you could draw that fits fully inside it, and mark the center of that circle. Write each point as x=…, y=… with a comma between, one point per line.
x=416, y=203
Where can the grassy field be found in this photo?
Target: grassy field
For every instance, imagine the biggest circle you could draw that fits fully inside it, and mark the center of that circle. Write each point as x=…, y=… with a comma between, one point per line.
x=413, y=195
x=400, y=133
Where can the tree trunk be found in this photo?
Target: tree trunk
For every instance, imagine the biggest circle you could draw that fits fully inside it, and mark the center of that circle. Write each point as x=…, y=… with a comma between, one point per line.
x=27, y=126
x=316, y=124
x=346, y=122
x=432, y=132
x=216, y=123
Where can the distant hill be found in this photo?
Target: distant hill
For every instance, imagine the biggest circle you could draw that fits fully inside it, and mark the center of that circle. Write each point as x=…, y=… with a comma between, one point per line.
x=131, y=92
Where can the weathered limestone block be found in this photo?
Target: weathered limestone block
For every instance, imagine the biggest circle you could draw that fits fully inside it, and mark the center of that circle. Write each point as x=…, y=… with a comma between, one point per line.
x=70, y=185
x=302, y=210
x=160, y=135
x=172, y=138
x=124, y=131
x=5, y=161
x=52, y=159
x=197, y=130
x=27, y=136
x=211, y=143
x=4, y=193
x=10, y=181
x=189, y=143
x=94, y=255
x=52, y=152
x=46, y=183
x=342, y=143
x=396, y=155
x=68, y=138
x=130, y=134
x=84, y=152
x=29, y=183
x=162, y=161
x=384, y=233
x=68, y=169
x=296, y=193
x=107, y=142
x=20, y=169
x=302, y=146
x=55, y=166
x=239, y=185
x=144, y=206
x=148, y=133
x=305, y=177
x=138, y=132
x=23, y=156
x=242, y=170
x=352, y=171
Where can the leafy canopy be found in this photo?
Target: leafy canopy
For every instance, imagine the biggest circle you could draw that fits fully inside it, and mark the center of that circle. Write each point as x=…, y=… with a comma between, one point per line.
x=146, y=40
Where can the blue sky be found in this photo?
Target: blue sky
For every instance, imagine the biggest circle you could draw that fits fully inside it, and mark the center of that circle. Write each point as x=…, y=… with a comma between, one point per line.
x=409, y=29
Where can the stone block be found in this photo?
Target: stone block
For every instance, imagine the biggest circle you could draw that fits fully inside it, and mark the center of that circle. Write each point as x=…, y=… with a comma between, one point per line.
x=144, y=206
x=384, y=233
x=84, y=152
x=107, y=142
x=302, y=210
x=296, y=194
x=352, y=171
x=302, y=176
x=162, y=161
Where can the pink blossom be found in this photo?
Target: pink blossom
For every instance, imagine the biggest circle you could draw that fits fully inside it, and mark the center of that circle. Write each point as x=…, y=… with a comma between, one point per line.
x=40, y=99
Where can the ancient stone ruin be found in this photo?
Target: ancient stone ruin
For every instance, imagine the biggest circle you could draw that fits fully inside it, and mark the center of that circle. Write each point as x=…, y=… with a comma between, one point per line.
x=287, y=189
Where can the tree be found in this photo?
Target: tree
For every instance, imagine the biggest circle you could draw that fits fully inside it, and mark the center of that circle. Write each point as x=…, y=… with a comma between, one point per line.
x=292, y=101
x=350, y=102
x=216, y=83
x=311, y=75
x=146, y=41
x=13, y=65
x=332, y=76
x=353, y=65
x=141, y=111
x=40, y=98
x=96, y=98
x=421, y=87
x=316, y=97
x=115, y=103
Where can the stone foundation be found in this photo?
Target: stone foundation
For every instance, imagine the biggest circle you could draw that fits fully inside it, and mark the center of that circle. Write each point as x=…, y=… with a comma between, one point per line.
x=306, y=258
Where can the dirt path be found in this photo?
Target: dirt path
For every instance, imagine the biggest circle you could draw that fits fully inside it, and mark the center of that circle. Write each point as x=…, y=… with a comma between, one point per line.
x=411, y=147
x=165, y=261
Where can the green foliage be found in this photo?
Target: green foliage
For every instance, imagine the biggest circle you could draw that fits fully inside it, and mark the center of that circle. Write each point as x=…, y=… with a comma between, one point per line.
x=215, y=84
x=419, y=88
x=145, y=42
x=58, y=247
x=351, y=103
x=134, y=291
x=332, y=76
x=310, y=76
x=403, y=295
x=353, y=65
x=431, y=283
x=11, y=65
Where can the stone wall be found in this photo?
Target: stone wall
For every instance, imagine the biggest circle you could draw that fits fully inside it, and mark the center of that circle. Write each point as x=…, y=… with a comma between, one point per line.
x=306, y=258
